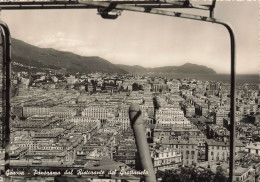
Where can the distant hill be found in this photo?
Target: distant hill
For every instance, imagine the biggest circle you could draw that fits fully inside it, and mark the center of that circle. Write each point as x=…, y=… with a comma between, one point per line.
x=28, y=57
x=188, y=69
x=133, y=69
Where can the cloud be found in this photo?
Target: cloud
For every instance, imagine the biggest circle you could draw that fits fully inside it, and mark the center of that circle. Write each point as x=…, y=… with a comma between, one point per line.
x=61, y=41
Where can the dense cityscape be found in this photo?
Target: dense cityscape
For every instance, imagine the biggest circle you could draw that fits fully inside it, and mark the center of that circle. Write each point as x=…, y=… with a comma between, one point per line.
x=78, y=125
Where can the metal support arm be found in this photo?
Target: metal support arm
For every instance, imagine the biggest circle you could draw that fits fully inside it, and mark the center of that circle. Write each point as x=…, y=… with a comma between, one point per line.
x=6, y=39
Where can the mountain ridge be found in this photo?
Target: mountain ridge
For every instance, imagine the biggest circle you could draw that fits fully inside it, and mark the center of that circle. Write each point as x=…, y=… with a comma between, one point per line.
x=28, y=57
x=187, y=68
x=26, y=54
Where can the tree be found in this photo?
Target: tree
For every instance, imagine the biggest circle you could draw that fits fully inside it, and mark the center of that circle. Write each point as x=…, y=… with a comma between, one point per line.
x=192, y=174
x=220, y=176
x=135, y=87
x=170, y=176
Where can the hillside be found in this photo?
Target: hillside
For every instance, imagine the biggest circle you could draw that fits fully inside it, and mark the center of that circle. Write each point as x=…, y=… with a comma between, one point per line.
x=26, y=56
x=186, y=69
x=133, y=69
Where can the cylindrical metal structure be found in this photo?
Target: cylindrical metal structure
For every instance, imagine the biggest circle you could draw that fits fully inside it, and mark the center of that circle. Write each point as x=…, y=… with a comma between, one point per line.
x=136, y=121
x=6, y=94
x=232, y=137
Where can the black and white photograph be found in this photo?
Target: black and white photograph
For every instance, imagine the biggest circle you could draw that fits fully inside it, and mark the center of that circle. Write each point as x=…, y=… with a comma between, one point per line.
x=129, y=91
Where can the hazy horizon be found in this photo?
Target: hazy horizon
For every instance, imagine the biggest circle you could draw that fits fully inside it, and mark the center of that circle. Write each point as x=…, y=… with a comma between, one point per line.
x=143, y=39
x=159, y=66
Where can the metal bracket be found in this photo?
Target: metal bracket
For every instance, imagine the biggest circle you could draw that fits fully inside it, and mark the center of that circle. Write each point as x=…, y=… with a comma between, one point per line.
x=212, y=7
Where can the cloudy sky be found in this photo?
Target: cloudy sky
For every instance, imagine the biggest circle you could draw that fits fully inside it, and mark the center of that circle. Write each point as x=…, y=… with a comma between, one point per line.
x=145, y=39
